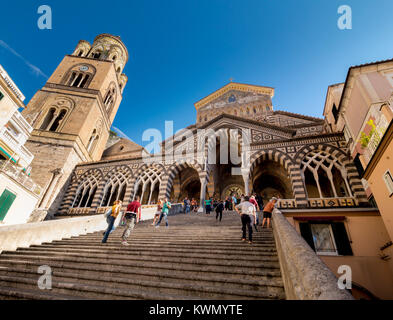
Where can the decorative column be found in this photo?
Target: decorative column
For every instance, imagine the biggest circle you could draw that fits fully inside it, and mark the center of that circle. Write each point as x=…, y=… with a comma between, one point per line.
x=203, y=194
x=56, y=175
x=246, y=178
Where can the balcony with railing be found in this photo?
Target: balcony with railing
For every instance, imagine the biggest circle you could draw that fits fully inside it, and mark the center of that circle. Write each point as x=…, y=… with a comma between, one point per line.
x=15, y=142
x=19, y=175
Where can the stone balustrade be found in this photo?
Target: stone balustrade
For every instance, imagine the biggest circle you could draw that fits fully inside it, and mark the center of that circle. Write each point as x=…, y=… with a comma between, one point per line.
x=304, y=274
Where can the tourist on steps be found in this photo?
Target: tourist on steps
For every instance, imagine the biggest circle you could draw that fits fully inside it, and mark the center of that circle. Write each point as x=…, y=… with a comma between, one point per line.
x=219, y=209
x=208, y=205
x=194, y=205
x=164, y=213
x=132, y=216
x=248, y=216
x=111, y=219
x=158, y=212
x=186, y=208
x=255, y=203
x=267, y=211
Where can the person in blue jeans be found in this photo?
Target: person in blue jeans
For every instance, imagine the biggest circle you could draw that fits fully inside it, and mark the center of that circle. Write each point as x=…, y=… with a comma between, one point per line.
x=164, y=213
x=111, y=219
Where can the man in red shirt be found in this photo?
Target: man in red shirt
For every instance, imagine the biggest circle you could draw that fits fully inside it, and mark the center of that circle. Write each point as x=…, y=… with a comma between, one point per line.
x=132, y=216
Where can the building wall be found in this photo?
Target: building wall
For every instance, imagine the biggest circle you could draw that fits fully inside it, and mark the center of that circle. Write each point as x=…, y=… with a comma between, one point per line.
x=379, y=189
x=23, y=204
x=367, y=234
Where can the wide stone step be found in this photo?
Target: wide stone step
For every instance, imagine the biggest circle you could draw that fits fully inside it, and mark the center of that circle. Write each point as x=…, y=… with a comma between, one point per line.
x=88, y=291
x=117, y=281
x=153, y=248
x=12, y=293
x=146, y=260
x=126, y=254
x=191, y=244
x=221, y=276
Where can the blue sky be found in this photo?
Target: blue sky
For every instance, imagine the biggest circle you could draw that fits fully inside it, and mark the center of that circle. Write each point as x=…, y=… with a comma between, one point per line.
x=180, y=51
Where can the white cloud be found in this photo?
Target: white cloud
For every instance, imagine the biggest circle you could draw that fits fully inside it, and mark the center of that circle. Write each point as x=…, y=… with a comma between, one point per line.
x=37, y=71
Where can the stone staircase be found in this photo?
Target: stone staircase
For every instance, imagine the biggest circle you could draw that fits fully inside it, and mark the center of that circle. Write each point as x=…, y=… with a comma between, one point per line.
x=195, y=258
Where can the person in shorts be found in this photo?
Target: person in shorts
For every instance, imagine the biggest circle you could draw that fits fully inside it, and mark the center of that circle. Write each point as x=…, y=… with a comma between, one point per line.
x=267, y=211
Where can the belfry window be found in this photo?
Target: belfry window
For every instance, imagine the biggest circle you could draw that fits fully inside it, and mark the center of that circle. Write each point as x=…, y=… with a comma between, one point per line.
x=58, y=120
x=53, y=119
x=92, y=141
x=96, y=55
x=78, y=79
x=110, y=98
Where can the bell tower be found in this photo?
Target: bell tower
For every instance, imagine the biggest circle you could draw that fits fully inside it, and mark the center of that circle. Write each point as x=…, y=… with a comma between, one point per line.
x=73, y=112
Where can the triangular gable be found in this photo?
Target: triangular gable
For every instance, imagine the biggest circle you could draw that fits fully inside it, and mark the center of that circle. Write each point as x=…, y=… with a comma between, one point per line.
x=234, y=86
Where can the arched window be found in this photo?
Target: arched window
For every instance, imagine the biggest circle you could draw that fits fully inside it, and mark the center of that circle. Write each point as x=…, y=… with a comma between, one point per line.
x=53, y=119
x=79, y=76
x=78, y=79
x=110, y=98
x=48, y=119
x=85, y=193
x=96, y=54
x=324, y=176
x=115, y=188
x=80, y=53
x=147, y=184
x=92, y=141
x=57, y=122
x=118, y=70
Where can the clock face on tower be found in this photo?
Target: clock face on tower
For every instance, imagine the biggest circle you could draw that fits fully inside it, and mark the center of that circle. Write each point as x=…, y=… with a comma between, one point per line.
x=84, y=68
x=232, y=98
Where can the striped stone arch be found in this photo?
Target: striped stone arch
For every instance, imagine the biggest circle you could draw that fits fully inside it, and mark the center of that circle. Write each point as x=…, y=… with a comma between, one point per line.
x=288, y=164
x=117, y=170
x=352, y=173
x=140, y=171
x=75, y=183
x=167, y=182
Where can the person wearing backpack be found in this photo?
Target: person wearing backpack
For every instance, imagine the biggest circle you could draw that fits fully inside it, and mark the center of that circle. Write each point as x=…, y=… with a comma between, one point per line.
x=164, y=213
x=111, y=218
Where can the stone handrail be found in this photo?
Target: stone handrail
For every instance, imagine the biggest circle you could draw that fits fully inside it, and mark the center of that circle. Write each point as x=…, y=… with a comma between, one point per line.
x=304, y=274
x=36, y=233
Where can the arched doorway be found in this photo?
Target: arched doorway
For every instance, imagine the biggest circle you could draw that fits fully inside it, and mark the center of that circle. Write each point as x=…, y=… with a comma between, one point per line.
x=186, y=183
x=270, y=179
